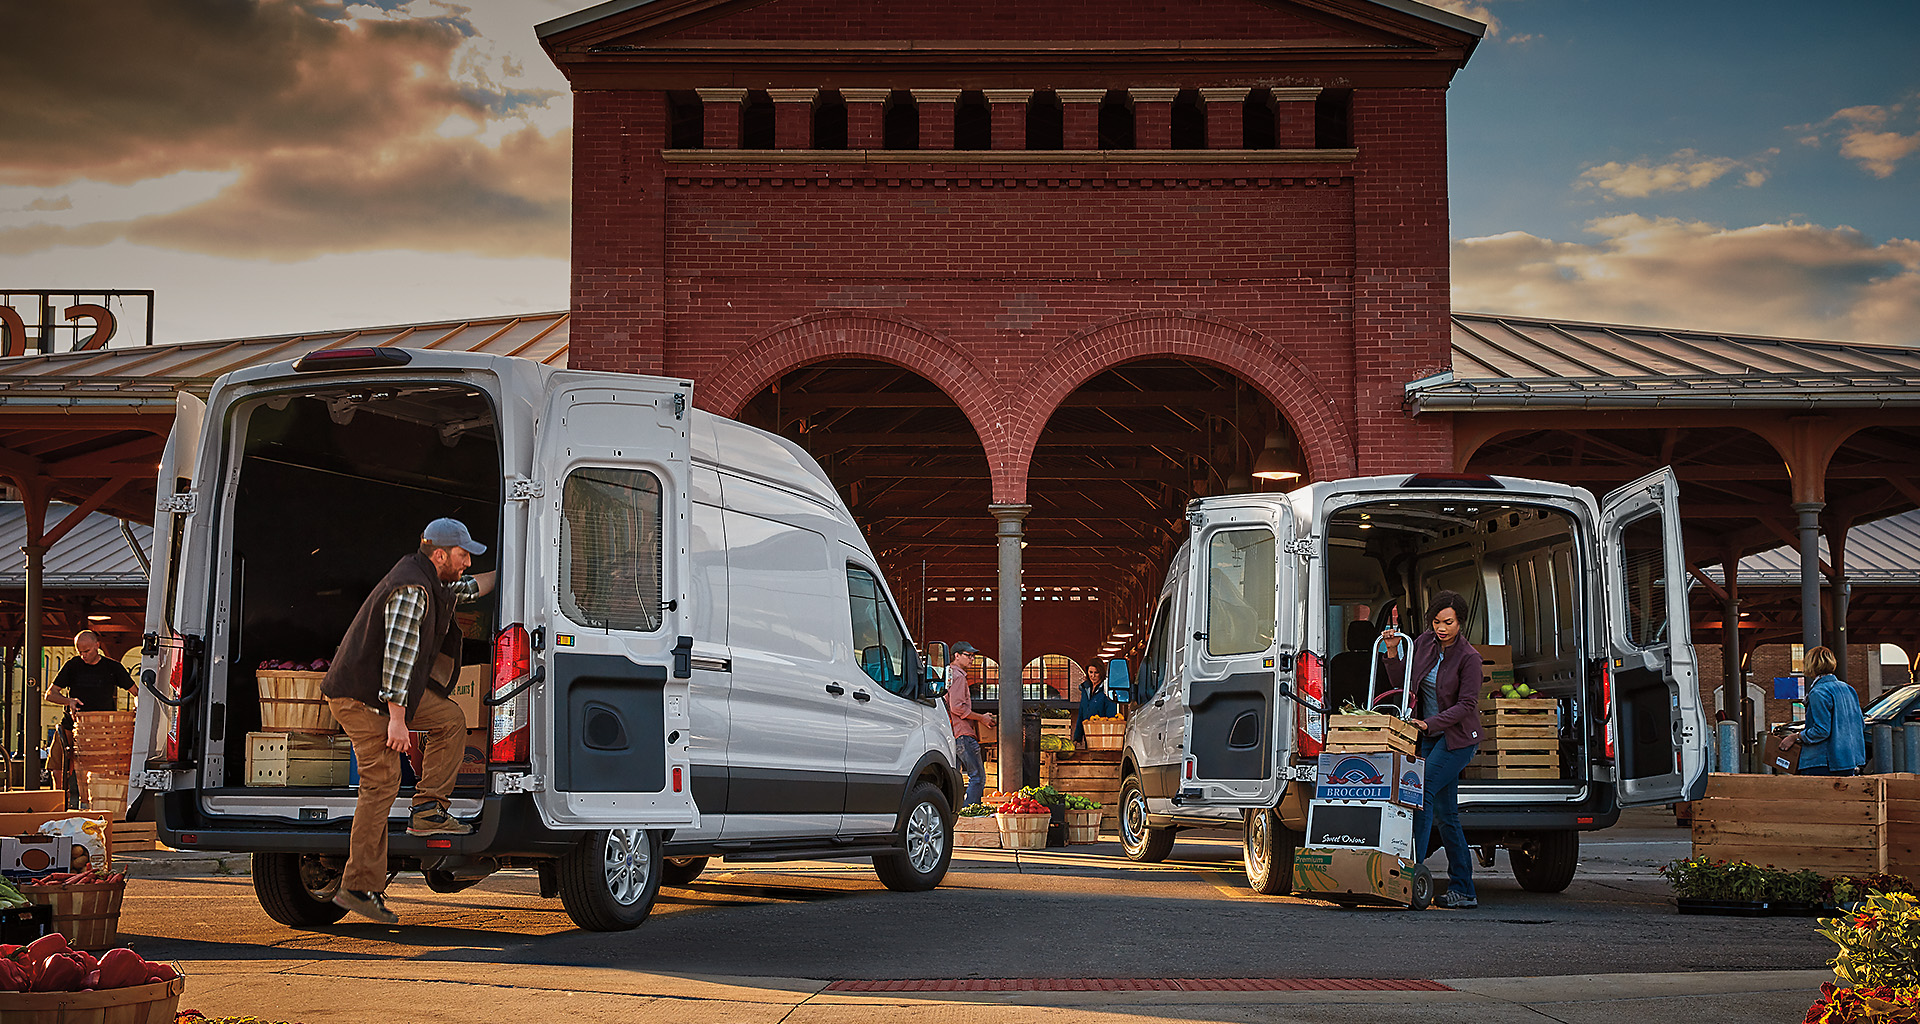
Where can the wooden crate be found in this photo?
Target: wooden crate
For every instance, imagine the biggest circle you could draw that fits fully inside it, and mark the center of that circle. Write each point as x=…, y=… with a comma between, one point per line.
x=1479, y=771
x=135, y=836
x=1903, y=825
x=1527, y=739
x=1369, y=733
x=1094, y=774
x=979, y=833
x=295, y=759
x=1518, y=758
x=1836, y=825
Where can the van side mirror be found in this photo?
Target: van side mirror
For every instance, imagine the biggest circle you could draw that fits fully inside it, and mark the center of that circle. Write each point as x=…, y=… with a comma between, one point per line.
x=921, y=681
x=1119, y=681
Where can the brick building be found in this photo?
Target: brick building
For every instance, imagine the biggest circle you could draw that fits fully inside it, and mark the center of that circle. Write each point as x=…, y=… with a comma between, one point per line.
x=1024, y=274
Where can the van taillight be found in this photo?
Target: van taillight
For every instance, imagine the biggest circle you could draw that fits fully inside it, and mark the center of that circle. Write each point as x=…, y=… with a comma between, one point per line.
x=1312, y=685
x=176, y=677
x=1606, y=703
x=512, y=721
x=352, y=359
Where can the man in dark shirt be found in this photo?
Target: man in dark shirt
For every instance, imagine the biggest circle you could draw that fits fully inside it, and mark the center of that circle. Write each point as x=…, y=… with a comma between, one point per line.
x=89, y=681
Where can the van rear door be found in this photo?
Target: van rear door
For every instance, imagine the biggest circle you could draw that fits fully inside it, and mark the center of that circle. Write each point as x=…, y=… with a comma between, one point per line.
x=162, y=660
x=1235, y=615
x=1658, y=730
x=608, y=554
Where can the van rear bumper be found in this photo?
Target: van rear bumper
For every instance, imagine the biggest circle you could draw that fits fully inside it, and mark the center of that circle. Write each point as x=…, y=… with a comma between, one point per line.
x=508, y=826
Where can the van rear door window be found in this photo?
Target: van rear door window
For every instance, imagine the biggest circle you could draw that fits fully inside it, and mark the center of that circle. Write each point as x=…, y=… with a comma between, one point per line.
x=610, y=549
x=1644, y=540
x=1240, y=592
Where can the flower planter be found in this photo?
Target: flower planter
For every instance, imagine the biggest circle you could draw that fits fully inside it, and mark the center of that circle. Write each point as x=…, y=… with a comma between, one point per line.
x=1023, y=831
x=980, y=832
x=1083, y=827
x=154, y=1003
x=1723, y=908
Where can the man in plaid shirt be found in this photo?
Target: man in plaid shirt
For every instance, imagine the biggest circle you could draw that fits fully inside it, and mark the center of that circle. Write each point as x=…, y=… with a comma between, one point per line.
x=393, y=674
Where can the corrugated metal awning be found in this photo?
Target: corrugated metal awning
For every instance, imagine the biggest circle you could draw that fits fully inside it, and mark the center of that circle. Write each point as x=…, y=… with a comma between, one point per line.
x=93, y=555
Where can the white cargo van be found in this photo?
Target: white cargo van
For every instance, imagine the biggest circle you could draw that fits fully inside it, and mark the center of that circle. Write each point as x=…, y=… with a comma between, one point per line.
x=1266, y=617
x=693, y=651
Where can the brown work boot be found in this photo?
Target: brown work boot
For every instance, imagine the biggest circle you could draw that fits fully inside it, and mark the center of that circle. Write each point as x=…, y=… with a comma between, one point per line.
x=370, y=905
x=433, y=820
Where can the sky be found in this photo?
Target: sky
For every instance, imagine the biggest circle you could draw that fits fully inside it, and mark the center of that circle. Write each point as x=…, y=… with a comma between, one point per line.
x=282, y=166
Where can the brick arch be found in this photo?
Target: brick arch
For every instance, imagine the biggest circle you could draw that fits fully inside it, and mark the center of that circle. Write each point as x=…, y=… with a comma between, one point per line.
x=1326, y=439
x=817, y=337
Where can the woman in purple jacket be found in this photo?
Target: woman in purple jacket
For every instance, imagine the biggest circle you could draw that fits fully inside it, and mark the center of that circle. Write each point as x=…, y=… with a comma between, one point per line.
x=1447, y=677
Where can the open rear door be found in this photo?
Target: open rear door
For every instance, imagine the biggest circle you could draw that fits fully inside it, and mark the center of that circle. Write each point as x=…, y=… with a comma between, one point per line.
x=610, y=728
x=1233, y=727
x=162, y=662
x=1658, y=730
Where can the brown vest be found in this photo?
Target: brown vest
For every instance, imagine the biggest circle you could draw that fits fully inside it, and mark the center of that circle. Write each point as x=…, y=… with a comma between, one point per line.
x=355, y=671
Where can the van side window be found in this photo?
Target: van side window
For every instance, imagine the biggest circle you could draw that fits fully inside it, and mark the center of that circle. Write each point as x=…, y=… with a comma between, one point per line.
x=610, y=549
x=879, y=644
x=1240, y=592
x=1153, y=665
x=1645, y=571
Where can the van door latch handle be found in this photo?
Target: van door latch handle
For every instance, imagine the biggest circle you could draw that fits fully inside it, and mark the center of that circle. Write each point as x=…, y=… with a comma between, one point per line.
x=862, y=695
x=836, y=689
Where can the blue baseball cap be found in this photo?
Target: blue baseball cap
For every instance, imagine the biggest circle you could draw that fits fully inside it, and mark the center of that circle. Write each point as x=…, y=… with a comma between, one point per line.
x=452, y=533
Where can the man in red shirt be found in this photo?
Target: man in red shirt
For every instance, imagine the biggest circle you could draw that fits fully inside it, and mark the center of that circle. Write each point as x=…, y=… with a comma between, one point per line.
x=966, y=740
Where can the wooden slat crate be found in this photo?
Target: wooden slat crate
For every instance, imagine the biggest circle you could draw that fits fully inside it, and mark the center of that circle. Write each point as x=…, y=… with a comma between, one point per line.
x=1477, y=771
x=296, y=759
x=1833, y=825
x=134, y=836
x=1094, y=774
x=1520, y=739
x=1903, y=825
x=1367, y=733
x=1518, y=758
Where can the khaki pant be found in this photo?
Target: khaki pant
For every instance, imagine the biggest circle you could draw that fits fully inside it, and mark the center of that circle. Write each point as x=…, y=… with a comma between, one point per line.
x=446, y=728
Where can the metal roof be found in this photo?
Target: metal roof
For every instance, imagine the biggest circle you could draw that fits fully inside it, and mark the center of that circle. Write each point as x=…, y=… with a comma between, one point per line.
x=1509, y=363
x=92, y=555
x=150, y=374
x=1885, y=552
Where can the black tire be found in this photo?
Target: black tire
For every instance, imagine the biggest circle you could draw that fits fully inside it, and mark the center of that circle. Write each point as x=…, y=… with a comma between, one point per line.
x=680, y=871
x=608, y=881
x=1266, y=851
x=926, y=843
x=1546, y=861
x=1139, y=840
x=296, y=890
x=1422, y=882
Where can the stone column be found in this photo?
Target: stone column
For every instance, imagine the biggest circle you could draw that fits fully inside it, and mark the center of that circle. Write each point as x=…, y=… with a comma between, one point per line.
x=1080, y=117
x=1153, y=117
x=1010, y=529
x=866, y=116
x=1009, y=110
x=936, y=116
x=792, y=117
x=1293, y=118
x=1225, y=111
x=1809, y=571
x=720, y=117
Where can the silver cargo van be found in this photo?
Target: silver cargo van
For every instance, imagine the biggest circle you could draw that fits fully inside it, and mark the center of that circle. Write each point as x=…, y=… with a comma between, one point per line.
x=692, y=650
x=1267, y=614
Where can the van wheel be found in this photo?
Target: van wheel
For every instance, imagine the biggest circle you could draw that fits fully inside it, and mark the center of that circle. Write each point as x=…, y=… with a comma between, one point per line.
x=1546, y=861
x=608, y=881
x=1138, y=840
x=926, y=843
x=680, y=871
x=296, y=890
x=1267, y=852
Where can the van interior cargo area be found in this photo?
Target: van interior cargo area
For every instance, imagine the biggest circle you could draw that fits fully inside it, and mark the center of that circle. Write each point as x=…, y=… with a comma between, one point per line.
x=334, y=485
x=1520, y=570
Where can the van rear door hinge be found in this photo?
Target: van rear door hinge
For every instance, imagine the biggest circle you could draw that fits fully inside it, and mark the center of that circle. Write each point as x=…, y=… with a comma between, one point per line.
x=1301, y=546
x=513, y=782
x=181, y=504
x=522, y=489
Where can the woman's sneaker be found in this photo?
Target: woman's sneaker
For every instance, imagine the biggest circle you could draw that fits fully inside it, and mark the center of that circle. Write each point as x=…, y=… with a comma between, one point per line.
x=371, y=905
x=433, y=820
x=1457, y=901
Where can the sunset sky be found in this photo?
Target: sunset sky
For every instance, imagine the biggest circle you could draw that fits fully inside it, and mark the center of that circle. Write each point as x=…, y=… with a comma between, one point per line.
x=298, y=165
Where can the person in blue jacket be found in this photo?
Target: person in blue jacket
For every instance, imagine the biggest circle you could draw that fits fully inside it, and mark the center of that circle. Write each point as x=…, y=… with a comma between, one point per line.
x=1835, y=740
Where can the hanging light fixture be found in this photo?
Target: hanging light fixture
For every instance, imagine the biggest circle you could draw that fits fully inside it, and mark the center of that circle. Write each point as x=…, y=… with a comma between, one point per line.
x=1278, y=460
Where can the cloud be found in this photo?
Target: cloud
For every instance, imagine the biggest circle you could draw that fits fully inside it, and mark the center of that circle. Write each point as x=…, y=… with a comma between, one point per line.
x=1681, y=172
x=325, y=118
x=1480, y=12
x=1783, y=280
x=1869, y=136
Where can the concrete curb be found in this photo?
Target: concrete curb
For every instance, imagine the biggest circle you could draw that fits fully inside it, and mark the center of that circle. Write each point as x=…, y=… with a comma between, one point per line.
x=183, y=864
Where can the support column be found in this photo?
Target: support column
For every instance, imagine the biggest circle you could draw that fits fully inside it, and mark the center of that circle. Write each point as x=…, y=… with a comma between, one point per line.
x=720, y=117
x=1732, y=687
x=1010, y=530
x=866, y=117
x=936, y=116
x=1153, y=117
x=1809, y=571
x=32, y=686
x=1293, y=118
x=792, y=117
x=1226, y=127
x=1080, y=117
x=1009, y=110
x=1836, y=531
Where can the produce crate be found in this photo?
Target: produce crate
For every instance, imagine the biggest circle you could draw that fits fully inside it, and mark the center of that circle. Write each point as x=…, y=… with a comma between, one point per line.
x=135, y=836
x=1836, y=825
x=1903, y=825
x=1370, y=733
x=1105, y=733
x=1094, y=774
x=981, y=832
x=291, y=701
x=291, y=759
x=21, y=925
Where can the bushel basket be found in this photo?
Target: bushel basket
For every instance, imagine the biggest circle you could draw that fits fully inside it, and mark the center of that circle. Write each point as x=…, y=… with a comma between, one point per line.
x=290, y=701
x=88, y=915
x=153, y=1003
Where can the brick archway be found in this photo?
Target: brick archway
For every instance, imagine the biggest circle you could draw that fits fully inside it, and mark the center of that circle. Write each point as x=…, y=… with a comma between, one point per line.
x=842, y=334
x=1326, y=437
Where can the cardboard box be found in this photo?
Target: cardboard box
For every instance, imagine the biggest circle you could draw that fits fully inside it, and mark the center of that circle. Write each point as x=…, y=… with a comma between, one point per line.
x=1368, y=874
x=1360, y=825
x=1385, y=776
x=473, y=764
x=1777, y=761
x=34, y=856
x=29, y=801
x=472, y=682
x=22, y=823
